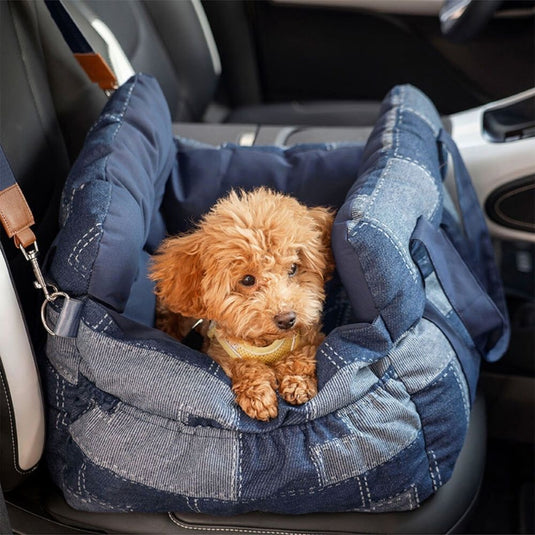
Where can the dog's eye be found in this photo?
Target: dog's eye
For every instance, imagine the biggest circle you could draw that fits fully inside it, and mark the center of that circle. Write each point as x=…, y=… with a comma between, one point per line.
x=293, y=270
x=248, y=280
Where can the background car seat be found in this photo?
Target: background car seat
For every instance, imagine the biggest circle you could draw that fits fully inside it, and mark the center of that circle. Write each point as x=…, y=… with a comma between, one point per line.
x=47, y=106
x=173, y=42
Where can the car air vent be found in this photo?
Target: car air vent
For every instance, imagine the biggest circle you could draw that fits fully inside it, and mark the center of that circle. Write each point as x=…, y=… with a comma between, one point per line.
x=513, y=205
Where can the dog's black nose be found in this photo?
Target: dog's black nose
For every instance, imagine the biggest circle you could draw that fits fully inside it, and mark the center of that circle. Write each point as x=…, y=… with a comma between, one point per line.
x=285, y=320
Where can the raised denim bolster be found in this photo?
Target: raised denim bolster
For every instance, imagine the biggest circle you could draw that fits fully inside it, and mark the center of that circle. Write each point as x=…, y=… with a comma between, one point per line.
x=140, y=422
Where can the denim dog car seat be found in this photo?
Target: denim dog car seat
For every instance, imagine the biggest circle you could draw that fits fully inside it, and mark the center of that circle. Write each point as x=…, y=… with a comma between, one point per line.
x=140, y=422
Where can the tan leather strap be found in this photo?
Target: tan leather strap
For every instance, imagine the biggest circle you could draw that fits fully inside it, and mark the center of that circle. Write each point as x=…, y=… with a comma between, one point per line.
x=16, y=216
x=97, y=70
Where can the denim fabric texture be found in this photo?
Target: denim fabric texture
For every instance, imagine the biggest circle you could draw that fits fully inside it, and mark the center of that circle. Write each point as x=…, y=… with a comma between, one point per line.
x=139, y=422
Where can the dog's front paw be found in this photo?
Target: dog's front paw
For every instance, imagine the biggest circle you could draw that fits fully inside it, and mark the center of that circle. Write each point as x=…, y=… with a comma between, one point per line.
x=258, y=401
x=254, y=385
x=298, y=389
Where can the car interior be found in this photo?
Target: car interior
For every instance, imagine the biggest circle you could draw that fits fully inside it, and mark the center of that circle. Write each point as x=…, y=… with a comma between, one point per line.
x=280, y=72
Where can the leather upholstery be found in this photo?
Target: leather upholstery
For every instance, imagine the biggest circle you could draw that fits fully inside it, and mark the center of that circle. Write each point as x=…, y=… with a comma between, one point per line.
x=166, y=39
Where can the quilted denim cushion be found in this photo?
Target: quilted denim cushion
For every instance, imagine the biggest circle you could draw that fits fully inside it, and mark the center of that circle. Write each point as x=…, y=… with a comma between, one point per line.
x=139, y=422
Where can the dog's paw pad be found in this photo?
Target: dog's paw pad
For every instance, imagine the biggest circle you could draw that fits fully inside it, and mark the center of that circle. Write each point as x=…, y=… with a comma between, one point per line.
x=298, y=389
x=259, y=402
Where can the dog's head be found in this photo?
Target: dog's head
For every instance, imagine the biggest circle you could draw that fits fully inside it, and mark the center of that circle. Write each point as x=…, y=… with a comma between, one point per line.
x=256, y=265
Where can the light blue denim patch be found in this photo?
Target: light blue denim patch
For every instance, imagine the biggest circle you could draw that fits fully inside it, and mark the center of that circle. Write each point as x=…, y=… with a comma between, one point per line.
x=421, y=355
x=157, y=382
x=380, y=425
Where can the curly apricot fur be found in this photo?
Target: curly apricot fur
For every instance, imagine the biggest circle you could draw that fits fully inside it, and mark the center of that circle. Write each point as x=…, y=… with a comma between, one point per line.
x=284, y=248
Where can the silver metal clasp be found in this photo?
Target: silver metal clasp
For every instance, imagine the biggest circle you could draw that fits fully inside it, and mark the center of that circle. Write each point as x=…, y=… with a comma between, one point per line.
x=50, y=298
x=50, y=291
x=31, y=256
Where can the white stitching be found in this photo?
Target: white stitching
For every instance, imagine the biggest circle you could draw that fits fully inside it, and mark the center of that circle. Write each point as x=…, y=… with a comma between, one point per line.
x=422, y=117
x=240, y=458
x=315, y=458
x=367, y=489
x=437, y=470
x=91, y=498
x=465, y=401
x=77, y=250
x=105, y=317
x=335, y=364
x=70, y=202
x=431, y=470
x=416, y=496
x=361, y=492
x=333, y=350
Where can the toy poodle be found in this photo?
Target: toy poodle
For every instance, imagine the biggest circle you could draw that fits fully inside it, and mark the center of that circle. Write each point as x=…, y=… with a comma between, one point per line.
x=253, y=273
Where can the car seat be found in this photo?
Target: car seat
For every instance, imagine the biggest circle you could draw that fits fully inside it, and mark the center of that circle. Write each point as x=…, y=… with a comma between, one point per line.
x=173, y=42
x=47, y=106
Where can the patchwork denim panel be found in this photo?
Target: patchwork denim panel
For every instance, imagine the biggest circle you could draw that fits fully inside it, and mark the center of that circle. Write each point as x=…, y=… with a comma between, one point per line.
x=80, y=238
x=421, y=355
x=406, y=500
x=380, y=233
x=444, y=423
x=154, y=381
x=380, y=425
x=161, y=453
x=408, y=479
x=63, y=354
x=351, y=344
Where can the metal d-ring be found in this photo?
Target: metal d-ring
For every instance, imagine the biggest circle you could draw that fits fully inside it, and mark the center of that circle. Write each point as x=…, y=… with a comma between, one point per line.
x=50, y=298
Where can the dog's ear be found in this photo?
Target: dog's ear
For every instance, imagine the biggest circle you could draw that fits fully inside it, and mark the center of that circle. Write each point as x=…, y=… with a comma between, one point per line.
x=319, y=256
x=177, y=270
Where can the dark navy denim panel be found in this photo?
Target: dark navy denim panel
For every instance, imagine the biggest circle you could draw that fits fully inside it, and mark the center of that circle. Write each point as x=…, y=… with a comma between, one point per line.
x=337, y=309
x=315, y=174
x=444, y=423
x=283, y=459
x=141, y=304
x=130, y=151
x=76, y=247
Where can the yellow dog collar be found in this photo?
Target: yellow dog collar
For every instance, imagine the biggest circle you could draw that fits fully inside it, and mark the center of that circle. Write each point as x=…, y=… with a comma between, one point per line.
x=268, y=354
